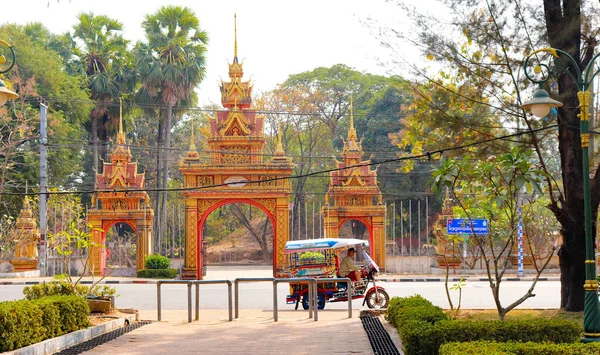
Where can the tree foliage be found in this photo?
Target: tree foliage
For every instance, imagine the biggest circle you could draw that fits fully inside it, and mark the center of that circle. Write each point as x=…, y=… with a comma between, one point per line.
x=171, y=64
x=489, y=189
x=482, y=44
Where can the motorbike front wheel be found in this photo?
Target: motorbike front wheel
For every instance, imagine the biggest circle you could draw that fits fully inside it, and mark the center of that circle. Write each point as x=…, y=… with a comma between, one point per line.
x=379, y=299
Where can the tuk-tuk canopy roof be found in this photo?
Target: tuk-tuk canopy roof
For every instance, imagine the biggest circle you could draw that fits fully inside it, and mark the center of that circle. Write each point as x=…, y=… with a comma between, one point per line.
x=294, y=246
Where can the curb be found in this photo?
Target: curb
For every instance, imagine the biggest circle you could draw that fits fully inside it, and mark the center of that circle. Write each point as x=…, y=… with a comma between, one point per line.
x=50, y=346
x=106, y=282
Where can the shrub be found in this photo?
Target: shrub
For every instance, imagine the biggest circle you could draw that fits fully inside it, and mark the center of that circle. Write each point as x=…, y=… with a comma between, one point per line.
x=157, y=273
x=529, y=348
x=429, y=314
x=400, y=304
x=20, y=324
x=73, y=312
x=102, y=291
x=157, y=262
x=26, y=322
x=50, y=317
x=44, y=289
x=63, y=288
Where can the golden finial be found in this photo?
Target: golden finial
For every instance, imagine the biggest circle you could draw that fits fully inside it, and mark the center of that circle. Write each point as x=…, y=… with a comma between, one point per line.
x=279, y=150
x=120, y=134
x=26, y=201
x=234, y=37
x=192, y=139
x=192, y=154
x=351, y=130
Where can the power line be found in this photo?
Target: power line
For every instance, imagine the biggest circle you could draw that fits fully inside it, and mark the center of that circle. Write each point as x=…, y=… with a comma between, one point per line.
x=427, y=155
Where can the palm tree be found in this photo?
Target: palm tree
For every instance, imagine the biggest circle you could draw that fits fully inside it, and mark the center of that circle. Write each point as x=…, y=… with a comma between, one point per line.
x=102, y=54
x=170, y=64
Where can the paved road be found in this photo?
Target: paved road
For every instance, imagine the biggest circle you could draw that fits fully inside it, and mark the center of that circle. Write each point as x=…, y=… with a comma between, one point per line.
x=258, y=296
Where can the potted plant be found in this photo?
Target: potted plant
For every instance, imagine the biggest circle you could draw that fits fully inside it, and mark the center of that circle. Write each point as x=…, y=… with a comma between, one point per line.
x=100, y=298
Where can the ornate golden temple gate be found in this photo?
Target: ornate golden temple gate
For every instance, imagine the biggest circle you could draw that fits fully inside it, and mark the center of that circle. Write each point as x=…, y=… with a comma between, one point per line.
x=356, y=196
x=234, y=172
x=115, y=204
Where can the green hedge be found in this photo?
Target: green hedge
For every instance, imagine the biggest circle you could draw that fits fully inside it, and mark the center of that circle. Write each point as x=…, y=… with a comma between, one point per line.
x=424, y=327
x=401, y=304
x=157, y=273
x=529, y=348
x=157, y=262
x=27, y=322
x=421, y=337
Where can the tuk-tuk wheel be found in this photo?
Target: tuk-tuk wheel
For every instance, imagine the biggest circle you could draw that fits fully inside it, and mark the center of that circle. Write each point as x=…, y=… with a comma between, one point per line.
x=320, y=301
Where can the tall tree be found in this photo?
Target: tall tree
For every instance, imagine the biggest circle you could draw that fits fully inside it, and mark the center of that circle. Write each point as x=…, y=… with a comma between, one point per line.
x=102, y=54
x=329, y=90
x=306, y=139
x=39, y=75
x=484, y=45
x=171, y=64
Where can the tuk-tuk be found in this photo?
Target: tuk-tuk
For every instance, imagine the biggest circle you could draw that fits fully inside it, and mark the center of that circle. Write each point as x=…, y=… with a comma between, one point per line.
x=320, y=258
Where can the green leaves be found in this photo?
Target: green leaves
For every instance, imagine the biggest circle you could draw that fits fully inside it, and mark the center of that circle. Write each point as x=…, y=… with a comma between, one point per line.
x=459, y=285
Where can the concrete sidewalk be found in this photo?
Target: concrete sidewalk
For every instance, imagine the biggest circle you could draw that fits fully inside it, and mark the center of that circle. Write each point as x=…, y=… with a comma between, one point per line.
x=254, y=332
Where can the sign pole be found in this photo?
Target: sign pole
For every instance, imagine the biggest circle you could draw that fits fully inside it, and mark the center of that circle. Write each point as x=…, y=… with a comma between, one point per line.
x=520, y=272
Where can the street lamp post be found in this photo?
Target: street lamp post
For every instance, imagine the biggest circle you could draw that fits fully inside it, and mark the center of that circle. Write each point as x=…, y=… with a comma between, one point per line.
x=540, y=105
x=5, y=92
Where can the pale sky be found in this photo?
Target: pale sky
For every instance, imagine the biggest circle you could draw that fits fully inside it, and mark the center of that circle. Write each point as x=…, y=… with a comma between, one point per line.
x=276, y=38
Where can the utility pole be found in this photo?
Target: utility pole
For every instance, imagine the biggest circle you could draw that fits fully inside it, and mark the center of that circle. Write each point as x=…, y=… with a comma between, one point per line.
x=43, y=191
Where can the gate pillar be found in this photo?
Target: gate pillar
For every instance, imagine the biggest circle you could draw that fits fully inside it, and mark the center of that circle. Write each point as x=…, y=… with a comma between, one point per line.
x=191, y=239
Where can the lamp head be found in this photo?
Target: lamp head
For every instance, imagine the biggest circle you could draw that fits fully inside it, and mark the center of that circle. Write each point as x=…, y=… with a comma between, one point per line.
x=6, y=93
x=541, y=103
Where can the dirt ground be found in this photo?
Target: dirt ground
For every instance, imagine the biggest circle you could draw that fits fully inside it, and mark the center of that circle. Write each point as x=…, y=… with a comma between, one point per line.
x=240, y=247
x=99, y=318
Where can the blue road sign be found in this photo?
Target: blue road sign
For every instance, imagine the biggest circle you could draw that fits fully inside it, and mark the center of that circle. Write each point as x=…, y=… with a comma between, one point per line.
x=461, y=226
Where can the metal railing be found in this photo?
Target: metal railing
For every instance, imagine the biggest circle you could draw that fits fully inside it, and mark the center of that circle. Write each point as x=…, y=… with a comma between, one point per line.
x=205, y=282
x=312, y=295
x=349, y=289
x=170, y=282
x=246, y=279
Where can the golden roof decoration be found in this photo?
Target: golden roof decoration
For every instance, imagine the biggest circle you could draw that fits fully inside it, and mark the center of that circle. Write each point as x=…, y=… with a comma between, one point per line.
x=351, y=131
x=120, y=134
x=352, y=144
x=279, y=149
x=279, y=152
x=121, y=152
x=192, y=154
x=25, y=222
x=236, y=124
x=354, y=179
x=236, y=92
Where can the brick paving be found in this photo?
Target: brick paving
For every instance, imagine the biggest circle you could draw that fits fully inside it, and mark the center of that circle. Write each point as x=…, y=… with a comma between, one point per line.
x=254, y=332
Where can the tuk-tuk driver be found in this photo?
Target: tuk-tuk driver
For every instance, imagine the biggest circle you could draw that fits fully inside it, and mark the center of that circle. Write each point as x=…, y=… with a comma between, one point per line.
x=348, y=268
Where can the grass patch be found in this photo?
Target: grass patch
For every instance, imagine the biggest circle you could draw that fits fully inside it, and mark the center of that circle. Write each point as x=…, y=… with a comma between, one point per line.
x=515, y=314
